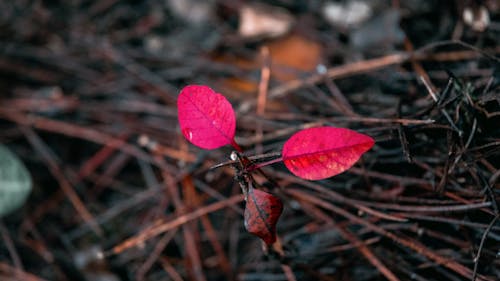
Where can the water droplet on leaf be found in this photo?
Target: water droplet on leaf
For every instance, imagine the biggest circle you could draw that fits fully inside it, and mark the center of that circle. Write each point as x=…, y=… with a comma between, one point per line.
x=188, y=134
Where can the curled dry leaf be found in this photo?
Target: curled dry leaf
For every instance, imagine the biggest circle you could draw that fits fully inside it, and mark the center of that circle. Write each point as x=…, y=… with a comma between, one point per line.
x=206, y=118
x=262, y=212
x=319, y=153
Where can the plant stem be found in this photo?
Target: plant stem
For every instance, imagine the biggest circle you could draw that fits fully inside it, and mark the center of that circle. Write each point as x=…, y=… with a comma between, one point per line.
x=236, y=146
x=263, y=164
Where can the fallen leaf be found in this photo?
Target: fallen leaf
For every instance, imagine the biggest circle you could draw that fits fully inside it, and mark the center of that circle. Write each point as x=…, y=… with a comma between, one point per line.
x=293, y=55
x=240, y=87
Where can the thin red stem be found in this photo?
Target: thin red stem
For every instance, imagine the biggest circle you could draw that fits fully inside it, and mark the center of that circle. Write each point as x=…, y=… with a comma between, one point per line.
x=236, y=146
x=263, y=164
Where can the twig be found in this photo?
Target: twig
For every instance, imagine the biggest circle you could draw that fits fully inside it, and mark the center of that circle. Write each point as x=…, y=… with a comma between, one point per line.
x=435, y=98
x=21, y=274
x=473, y=225
x=453, y=56
x=170, y=269
x=178, y=221
x=152, y=257
x=265, y=76
x=414, y=245
x=340, y=98
x=11, y=248
x=64, y=183
x=81, y=132
x=480, y=249
x=402, y=136
x=425, y=209
x=362, y=248
x=193, y=200
x=334, y=72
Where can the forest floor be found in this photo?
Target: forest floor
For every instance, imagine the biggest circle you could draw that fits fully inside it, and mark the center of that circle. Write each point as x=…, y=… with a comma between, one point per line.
x=88, y=103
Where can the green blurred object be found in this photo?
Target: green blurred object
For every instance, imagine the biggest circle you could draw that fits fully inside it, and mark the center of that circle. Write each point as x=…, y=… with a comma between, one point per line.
x=15, y=182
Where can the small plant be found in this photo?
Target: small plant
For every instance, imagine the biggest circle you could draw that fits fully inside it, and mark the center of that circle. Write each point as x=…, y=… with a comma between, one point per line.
x=207, y=120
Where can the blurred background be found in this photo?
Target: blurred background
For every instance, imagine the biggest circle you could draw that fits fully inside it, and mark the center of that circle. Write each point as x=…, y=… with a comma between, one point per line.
x=97, y=182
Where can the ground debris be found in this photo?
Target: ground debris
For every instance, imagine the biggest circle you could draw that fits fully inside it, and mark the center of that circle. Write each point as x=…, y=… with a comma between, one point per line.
x=88, y=103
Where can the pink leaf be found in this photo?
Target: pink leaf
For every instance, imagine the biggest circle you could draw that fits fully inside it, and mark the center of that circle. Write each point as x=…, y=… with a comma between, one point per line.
x=206, y=118
x=319, y=153
x=262, y=212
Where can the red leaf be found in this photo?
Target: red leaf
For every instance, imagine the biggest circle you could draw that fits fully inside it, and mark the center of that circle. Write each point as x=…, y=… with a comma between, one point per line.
x=262, y=212
x=206, y=118
x=319, y=153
